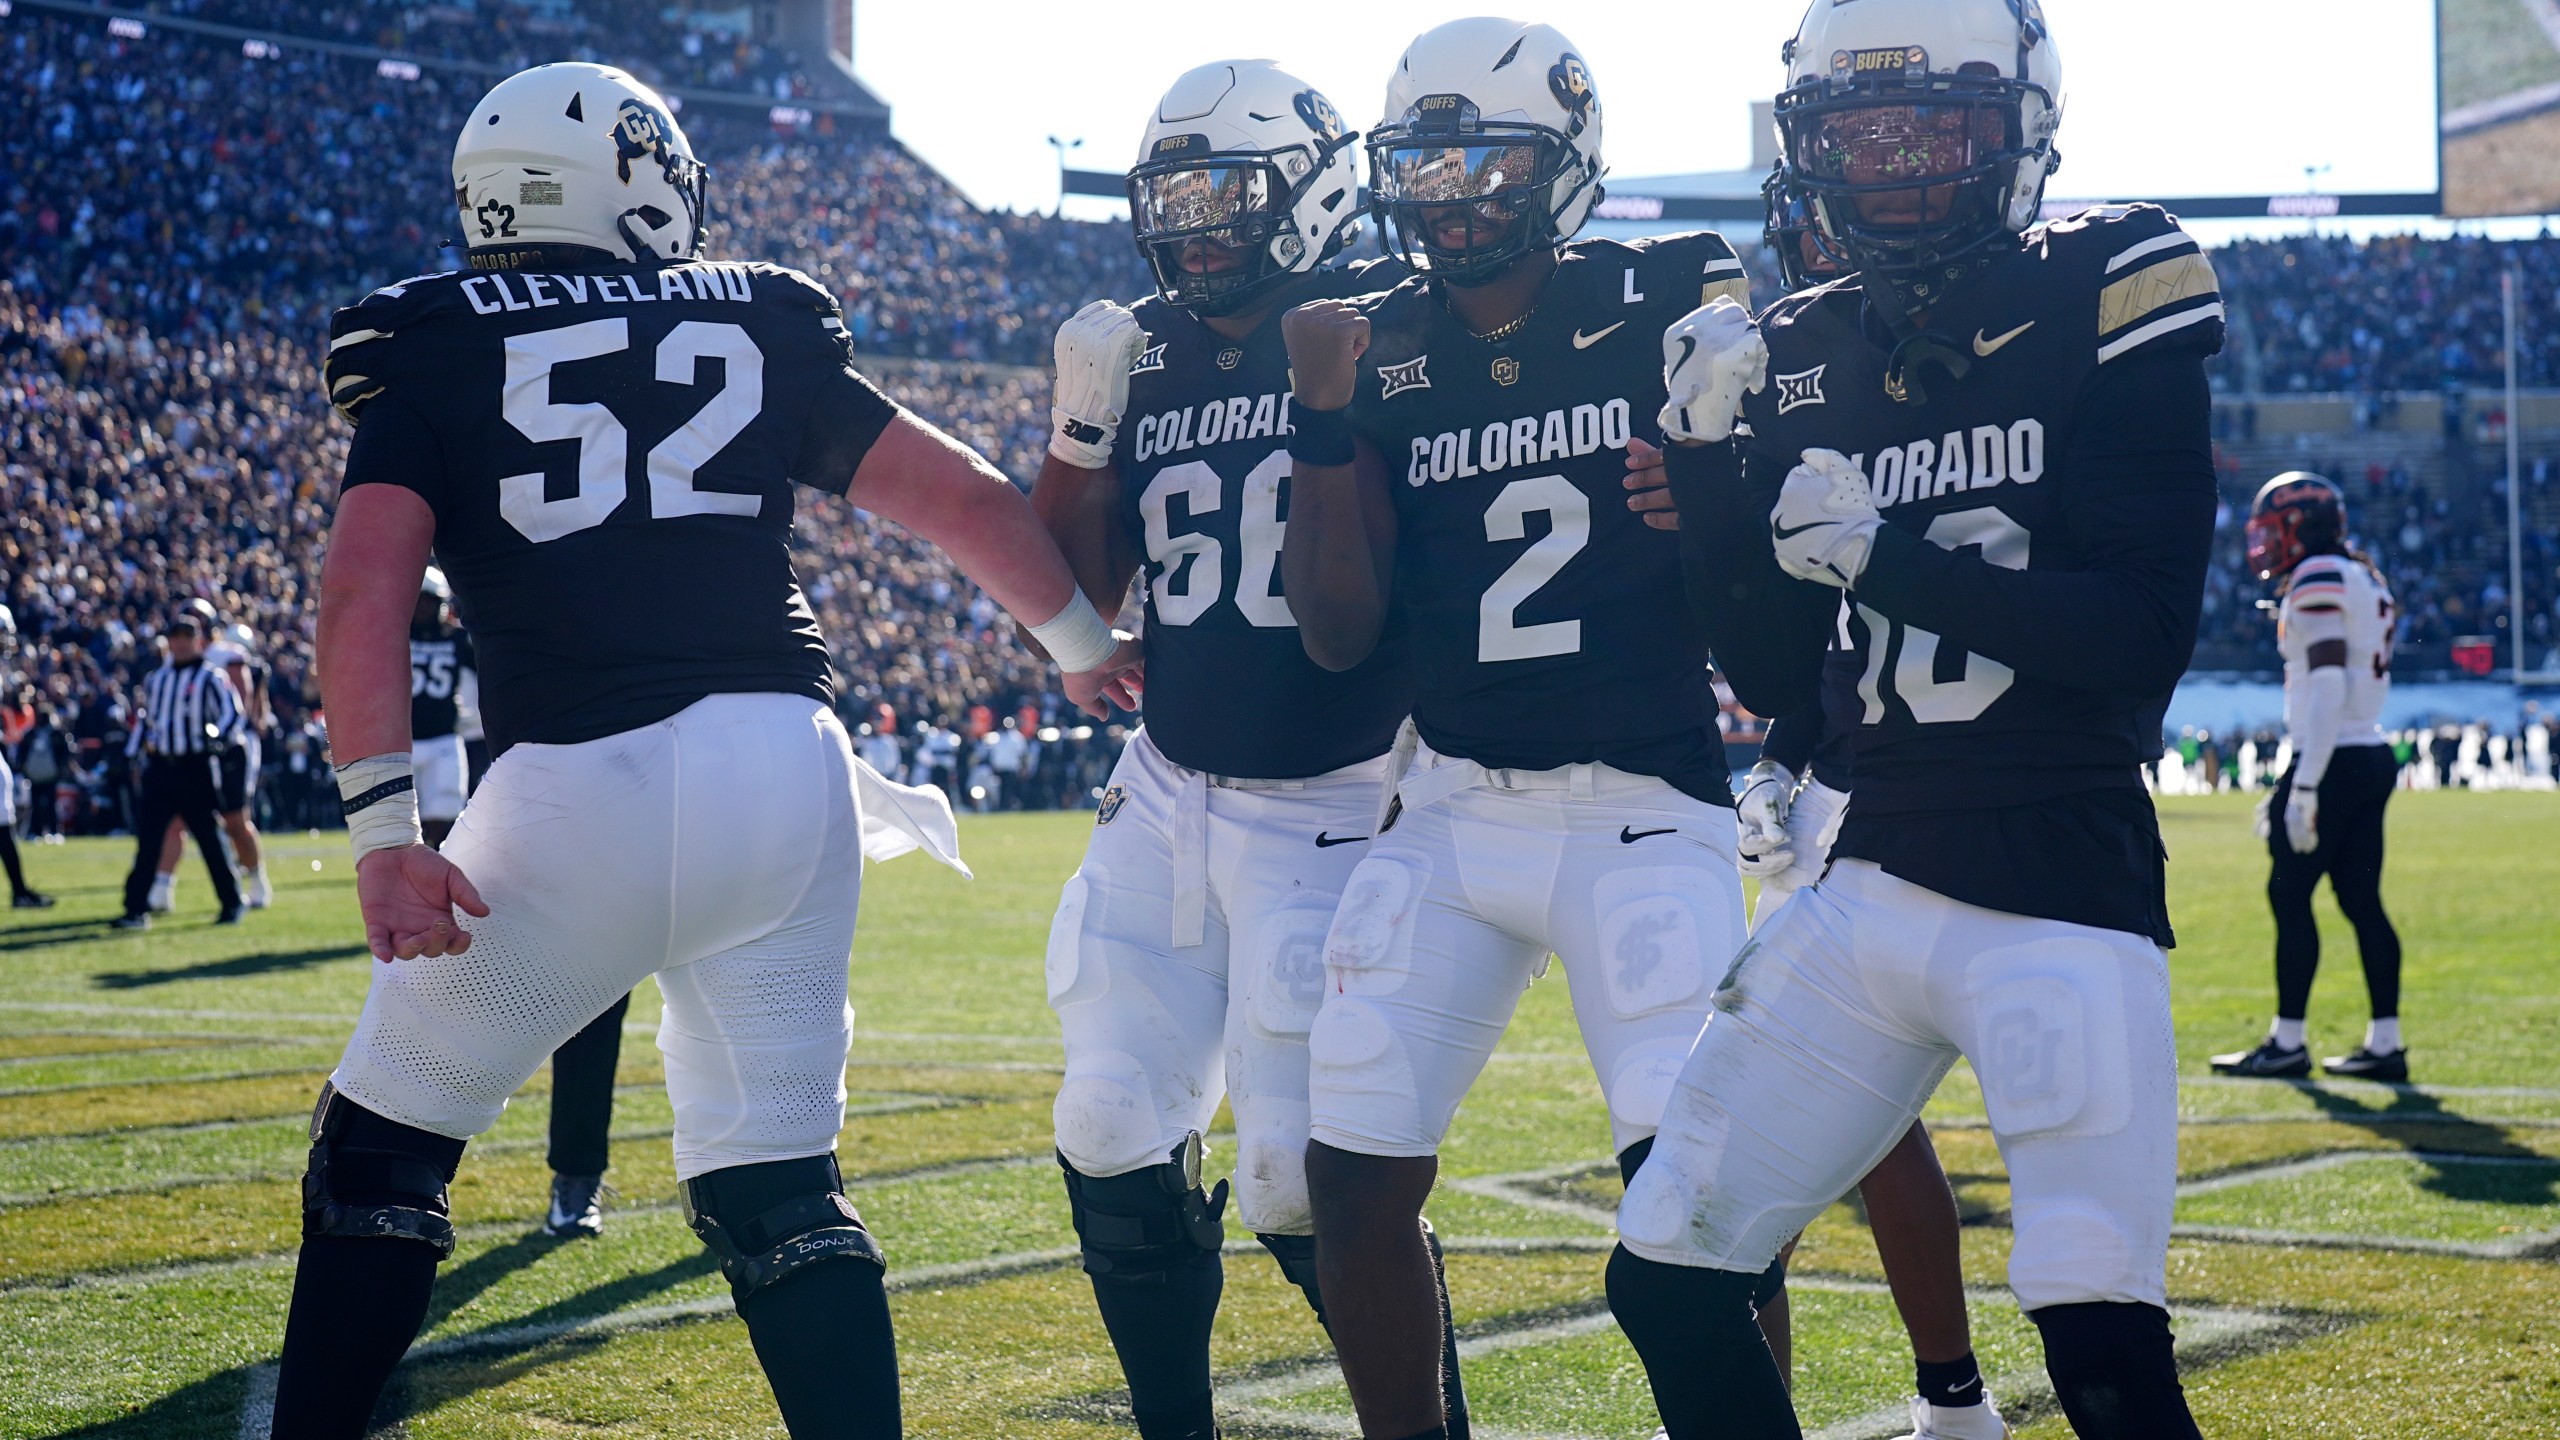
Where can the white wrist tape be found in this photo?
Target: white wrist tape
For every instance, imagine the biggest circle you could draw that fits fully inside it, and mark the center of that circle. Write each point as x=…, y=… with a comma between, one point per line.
x=1076, y=636
x=381, y=803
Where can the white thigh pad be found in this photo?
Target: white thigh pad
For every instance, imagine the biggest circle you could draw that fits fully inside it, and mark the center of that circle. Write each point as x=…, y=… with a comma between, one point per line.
x=1289, y=956
x=1652, y=944
x=1369, y=948
x=1642, y=1086
x=2049, y=1037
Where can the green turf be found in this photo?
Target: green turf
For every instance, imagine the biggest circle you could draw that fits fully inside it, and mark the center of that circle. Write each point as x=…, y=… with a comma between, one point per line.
x=153, y=1090
x=2491, y=49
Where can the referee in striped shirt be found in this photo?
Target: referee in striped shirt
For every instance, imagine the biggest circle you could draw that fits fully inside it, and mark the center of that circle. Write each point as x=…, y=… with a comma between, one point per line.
x=189, y=713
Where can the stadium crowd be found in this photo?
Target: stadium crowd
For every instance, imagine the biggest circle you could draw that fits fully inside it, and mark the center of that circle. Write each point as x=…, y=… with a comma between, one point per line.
x=172, y=240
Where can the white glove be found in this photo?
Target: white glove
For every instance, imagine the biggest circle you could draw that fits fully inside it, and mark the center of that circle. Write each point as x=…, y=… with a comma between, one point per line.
x=2302, y=820
x=1825, y=522
x=1761, y=814
x=1096, y=347
x=1710, y=356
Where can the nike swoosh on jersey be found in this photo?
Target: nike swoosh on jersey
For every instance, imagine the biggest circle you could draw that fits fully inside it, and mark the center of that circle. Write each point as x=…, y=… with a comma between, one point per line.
x=1327, y=842
x=1585, y=342
x=1628, y=834
x=1988, y=348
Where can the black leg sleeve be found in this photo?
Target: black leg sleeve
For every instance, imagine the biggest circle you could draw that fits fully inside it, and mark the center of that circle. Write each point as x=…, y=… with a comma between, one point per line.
x=582, y=1093
x=1710, y=1368
x=357, y=1299
x=821, y=1332
x=2115, y=1370
x=2290, y=880
x=9, y=858
x=2355, y=875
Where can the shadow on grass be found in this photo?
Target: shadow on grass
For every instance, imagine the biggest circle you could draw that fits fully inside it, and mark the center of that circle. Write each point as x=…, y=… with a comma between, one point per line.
x=2421, y=1124
x=265, y=962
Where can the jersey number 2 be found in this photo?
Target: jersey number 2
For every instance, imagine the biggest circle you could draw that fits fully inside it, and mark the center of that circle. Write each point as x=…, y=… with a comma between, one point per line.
x=1915, y=673
x=604, y=445
x=1499, y=633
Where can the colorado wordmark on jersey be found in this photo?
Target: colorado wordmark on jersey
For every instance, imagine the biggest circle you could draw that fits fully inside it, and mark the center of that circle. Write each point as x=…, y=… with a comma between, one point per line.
x=2050, y=454
x=1204, y=493
x=609, y=454
x=1547, y=618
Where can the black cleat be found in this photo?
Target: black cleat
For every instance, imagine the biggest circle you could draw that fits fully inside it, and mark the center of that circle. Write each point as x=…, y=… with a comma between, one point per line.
x=2269, y=1061
x=31, y=900
x=130, y=922
x=2363, y=1064
x=577, y=1208
x=230, y=916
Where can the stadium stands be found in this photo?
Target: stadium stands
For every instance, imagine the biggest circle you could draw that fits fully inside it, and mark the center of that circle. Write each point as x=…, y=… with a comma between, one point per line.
x=191, y=207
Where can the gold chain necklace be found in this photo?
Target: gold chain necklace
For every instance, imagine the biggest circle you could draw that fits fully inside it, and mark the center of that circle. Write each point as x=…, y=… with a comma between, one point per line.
x=1498, y=333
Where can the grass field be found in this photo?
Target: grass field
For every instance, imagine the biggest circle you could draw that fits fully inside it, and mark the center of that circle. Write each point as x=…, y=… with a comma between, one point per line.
x=2353, y=1260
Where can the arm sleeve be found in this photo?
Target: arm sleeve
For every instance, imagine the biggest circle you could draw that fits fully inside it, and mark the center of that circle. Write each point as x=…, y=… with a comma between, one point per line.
x=1792, y=739
x=396, y=445
x=2124, y=623
x=846, y=418
x=1768, y=630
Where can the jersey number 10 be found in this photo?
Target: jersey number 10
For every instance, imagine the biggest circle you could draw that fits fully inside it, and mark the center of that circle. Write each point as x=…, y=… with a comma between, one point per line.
x=604, y=445
x=1915, y=672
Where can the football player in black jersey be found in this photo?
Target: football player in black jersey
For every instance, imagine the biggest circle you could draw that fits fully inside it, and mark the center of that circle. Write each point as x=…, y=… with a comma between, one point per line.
x=1466, y=447
x=1993, y=435
x=444, y=686
x=595, y=431
x=1186, y=959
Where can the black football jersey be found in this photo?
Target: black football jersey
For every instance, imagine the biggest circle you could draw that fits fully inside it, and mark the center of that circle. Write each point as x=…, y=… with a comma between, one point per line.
x=1547, y=620
x=437, y=659
x=1954, y=749
x=1204, y=493
x=608, y=454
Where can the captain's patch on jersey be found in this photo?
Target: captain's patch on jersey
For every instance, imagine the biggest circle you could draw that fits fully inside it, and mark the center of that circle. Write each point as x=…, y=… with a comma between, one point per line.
x=1397, y=379
x=1801, y=389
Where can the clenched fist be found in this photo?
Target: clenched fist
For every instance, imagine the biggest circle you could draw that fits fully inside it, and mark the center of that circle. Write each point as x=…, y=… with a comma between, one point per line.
x=1710, y=358
x=1096, y=347
x=1326, y=340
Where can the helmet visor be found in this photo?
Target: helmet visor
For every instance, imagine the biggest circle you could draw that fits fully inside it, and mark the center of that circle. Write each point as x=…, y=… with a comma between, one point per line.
x=1222, y=201
x=1885, y=147
x=1492, y=175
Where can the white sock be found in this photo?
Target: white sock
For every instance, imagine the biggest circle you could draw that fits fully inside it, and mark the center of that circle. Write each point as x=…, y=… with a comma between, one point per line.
x=2381, y=1036
x=2286, y=1033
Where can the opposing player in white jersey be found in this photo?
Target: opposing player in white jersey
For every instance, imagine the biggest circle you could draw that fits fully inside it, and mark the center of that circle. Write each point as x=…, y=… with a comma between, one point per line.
x=1188, y=954
x=672, y=793
x=2334, y=621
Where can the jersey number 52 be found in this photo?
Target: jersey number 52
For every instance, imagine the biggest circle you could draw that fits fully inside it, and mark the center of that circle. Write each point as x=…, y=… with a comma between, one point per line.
x=604, y=445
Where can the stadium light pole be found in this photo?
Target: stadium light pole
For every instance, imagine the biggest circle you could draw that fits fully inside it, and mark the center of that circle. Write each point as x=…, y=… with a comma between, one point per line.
x=1062, y=147
x=2509, y=282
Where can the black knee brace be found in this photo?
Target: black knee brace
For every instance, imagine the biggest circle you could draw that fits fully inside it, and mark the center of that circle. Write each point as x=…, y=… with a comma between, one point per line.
x=760, y=1245
x=374, y=1178
x=1148, y=1221
x=1297, y=1257
x=1709, y=1367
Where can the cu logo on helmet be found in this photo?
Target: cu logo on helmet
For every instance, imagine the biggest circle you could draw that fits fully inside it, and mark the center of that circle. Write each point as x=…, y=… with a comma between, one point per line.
x=1319, y=114
x=639, y=133
x=1571, y=81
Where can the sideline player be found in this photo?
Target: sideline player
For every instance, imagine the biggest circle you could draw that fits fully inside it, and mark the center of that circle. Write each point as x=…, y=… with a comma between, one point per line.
x=1994, y=436
x=1461, y=475
x=1186, y=958
x=2333, y=625
x=595, y=430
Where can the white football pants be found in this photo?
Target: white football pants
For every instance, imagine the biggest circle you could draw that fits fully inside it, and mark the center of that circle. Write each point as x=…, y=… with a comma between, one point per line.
x=1840, y=1018
x=719, y=850
x=1185, y=963
x=1627, y=880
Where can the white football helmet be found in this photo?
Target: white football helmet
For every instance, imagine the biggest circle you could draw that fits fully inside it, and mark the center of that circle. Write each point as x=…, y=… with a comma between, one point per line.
x=1246, y=155
x=578, y=154
x=1494, y=124
x=1957, y=101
